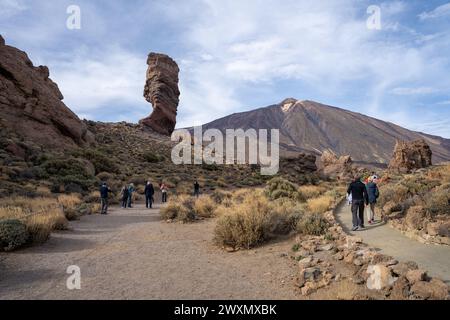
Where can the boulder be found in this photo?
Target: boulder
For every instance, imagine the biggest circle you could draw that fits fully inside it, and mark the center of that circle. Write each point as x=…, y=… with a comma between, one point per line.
x=31, y=104
x=380, y=277
x=417, y=275
x=402, y=268
x=415, y=217
x=400, y=289
x=161, y=90
x=435, y=289
x=409, y=156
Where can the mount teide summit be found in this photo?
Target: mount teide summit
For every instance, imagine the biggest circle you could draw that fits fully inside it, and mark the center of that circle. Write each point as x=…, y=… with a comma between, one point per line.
x=308, y=126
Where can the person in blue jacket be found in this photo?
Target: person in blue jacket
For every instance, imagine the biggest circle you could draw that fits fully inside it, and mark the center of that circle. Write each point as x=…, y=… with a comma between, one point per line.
x=373, y=193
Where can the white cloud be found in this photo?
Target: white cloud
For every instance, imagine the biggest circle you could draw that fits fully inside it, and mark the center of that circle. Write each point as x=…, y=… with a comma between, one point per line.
x=100, y=84
x=10, y=8
x=403, y=91
x=441, y=11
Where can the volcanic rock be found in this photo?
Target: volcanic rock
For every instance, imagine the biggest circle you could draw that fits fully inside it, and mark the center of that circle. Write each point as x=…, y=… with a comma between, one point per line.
x=161, y=90
x=336, y=167
x=409, y=156
x=31, y=106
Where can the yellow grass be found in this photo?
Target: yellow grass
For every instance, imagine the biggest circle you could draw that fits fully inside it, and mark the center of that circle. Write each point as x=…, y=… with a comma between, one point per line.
x=69, y=201
x=204, y=206
x=312, y=191
x=40, y=215
x=321, y=204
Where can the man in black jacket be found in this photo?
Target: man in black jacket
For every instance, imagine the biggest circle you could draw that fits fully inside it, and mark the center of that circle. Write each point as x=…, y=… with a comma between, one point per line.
x=149, y=192
x=104, y=194
x=360, y=198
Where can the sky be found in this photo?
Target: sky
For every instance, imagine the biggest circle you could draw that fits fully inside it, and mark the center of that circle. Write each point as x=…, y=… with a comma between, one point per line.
x=240, y=55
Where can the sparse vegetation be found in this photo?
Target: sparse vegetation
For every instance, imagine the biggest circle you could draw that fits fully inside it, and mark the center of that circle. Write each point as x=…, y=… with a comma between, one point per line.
x=204, y=206
x=320, y=204
x=313, y=224
x=281, y=188
x=13, y=234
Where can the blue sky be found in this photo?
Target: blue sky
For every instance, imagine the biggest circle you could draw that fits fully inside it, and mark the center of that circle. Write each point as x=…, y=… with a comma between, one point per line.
x=240, y=55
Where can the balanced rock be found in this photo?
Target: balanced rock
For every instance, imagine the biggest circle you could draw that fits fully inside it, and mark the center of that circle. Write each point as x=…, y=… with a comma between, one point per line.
x=336, y=167
x=31, y=106
x=161, y=90
x=409, y=156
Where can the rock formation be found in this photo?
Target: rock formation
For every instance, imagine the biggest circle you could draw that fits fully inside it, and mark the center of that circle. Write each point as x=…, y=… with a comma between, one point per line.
x=334, y=167
x=31, y=106
x=161, y=90
x=409, y=156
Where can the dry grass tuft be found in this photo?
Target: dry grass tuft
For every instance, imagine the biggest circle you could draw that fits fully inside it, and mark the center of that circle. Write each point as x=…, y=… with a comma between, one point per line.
x=321, y=204
x=310, y=191
x=204, y=206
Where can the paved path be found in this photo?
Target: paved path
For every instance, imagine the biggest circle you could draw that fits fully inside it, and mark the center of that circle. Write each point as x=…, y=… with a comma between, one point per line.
x=434, y=258
x=131, y=254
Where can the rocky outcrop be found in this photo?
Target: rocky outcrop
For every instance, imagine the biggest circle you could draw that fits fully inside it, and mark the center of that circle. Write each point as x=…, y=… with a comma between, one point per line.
x=161, y=90
x=336, y=167
x=31, y=106
x=409, y=156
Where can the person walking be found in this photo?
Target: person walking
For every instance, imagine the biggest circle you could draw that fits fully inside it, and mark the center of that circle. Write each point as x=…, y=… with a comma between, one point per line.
x=163, y=188
x=360, y=198
x=131, y=190
x=149, y=192
x=196, y=189
x=373, y=194
x=104, y=195
x=124, y=197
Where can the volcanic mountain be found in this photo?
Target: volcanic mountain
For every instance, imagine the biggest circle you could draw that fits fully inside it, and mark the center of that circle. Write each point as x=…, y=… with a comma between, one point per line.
x=311, y=127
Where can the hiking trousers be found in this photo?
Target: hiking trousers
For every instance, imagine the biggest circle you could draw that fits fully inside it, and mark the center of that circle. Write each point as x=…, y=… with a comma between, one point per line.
x=358, y=213
x=104, y=203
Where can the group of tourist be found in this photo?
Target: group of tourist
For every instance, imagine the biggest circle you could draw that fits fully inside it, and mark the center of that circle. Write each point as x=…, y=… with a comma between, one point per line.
x=126, y=195
x=360, y=195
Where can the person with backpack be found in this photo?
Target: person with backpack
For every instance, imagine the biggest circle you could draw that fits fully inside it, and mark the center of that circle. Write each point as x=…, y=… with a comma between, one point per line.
x=196, y=189
x=104, y=195
x=149, y=192
x=124, y=197
x=360, y=198
x=373, y=194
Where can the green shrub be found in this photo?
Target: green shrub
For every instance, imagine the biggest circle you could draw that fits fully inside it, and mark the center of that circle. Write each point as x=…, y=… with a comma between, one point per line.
x=313, y=224
x=437, y=202
x=101, y=161
x=281, y=188
x=152, y=158
x=13, y=234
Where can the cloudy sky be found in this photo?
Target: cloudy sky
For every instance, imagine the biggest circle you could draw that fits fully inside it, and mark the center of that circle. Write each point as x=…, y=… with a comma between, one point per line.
x=239, y=55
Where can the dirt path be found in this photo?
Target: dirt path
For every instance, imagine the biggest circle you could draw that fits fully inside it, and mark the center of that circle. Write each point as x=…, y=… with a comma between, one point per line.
x=434, y=258
x=131, y=254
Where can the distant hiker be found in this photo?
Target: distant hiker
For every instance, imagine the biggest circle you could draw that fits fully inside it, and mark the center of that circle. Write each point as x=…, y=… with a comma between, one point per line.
x=104, y=194
x=131, y=190
x=373, y=194
x=196, y=189
x=163, y=188
x=124, y=196
x=149, y=192
x=358, y=191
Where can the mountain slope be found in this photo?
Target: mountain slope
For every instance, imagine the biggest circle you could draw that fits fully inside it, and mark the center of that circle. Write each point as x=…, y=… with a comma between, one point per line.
x=307, y=126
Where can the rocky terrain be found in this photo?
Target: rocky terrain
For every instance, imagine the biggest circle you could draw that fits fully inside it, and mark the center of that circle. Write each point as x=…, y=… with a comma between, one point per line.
x=412, y=155
x=311, y=127
x=161, y=90
x=31, y=107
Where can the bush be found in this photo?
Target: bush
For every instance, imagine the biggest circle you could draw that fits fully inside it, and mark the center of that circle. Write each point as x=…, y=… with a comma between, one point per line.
x=285, y=215
x=313, y=224
x=101, y=161
x=204, y=206
x=179, y=208
x=70, y=204
x=321, y=204
x=13, y=234
x=311, y=191
x=437, y=202
x=245, y=224
x=281, y=188
x=152, y=158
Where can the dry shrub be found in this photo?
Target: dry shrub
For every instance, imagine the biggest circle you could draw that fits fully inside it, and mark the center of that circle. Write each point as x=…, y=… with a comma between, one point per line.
x=310, y=191
x=245, y=224
x=40, y=215
x=43, y=191
x=321, y=204
x=437, y=202
x=70, y=203
x=96, y=208
x=179, y=208
x=313, y=224
x=285, y=215
x=204, y=206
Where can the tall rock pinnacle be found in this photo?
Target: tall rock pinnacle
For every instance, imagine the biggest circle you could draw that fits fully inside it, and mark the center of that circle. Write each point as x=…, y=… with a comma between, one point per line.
x=161, y=90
